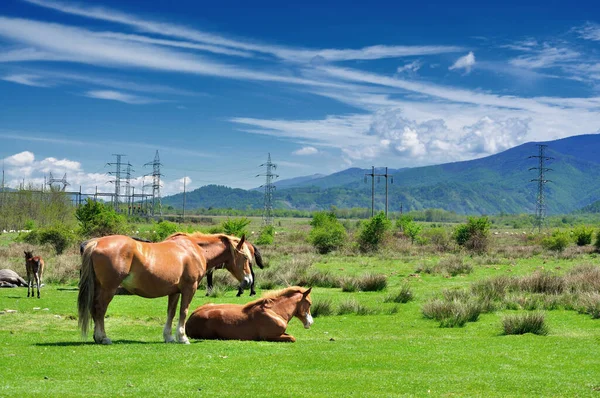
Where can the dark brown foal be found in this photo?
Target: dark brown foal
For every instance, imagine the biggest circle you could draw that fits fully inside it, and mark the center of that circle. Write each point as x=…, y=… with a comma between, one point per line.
x=34, y=265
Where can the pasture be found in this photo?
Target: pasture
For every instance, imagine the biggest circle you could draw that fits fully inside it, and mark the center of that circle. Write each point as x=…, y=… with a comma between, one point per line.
x=385, y=349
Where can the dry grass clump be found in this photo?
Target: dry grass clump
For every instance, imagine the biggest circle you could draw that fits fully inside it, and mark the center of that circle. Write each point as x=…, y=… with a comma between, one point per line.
x=532, y=322
x=455, y=313
x=321, y=308
x=451, y=265
x=353, y=307
x=404, y=295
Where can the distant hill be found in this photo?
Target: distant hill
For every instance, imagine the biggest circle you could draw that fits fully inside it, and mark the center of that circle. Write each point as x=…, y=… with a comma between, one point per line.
x=490, y=185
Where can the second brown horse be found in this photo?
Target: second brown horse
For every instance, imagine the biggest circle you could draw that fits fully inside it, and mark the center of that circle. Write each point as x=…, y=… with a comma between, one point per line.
x=170, y=268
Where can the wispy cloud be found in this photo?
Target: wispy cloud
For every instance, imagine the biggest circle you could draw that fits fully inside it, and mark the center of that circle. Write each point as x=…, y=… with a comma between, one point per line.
x=411, y=67
x=589, y=31
x=26, y=79
x=120, y=97
x=223, y=44
x=546, y=56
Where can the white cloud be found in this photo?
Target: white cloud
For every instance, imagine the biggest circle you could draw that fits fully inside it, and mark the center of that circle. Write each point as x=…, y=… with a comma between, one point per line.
x=465, y=62
x=589, y=31
x=307, y=150
x=26, y=79
x=411, y=67
x=21, y=159
x=119, y=96
x=547, y=56
x=223, y=44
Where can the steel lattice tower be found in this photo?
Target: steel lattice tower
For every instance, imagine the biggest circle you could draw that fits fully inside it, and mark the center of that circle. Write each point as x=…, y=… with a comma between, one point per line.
x=269, y=189
x=63, y=181
x=155, y=183
x=117, y=180
x=540, y=204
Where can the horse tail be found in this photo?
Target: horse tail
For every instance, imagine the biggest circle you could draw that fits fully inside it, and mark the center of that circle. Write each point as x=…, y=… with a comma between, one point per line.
x=87, y=280
x=258, y=257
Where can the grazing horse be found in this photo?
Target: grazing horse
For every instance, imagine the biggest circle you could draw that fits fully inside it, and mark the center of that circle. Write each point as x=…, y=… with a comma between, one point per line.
x=262, y=319
x=257, y=260
x=35, y=268
x=170, y=268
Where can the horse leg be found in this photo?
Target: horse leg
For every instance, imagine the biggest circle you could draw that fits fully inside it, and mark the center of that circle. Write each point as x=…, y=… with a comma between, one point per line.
x=29, y=286
x=209, y=282
x=187, y=294
x=284, y=338
x=171, y=308
x=37, y=281
x=102, y=300
x=252, y=291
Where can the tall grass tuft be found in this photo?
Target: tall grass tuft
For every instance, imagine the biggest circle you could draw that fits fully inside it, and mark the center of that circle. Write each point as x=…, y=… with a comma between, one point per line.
x=542, y=282
x=453, y=313
x=321, y=308
x=531, y=322
x=353, y=307
x=404, y=295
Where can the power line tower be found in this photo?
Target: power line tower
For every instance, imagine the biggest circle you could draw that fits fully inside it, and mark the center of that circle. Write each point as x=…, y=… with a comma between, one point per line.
x=269, y=189
x=155, y=183
x=540, y=204
x=62, y=181
x=117, y=181
x=373, y=175
x=128, y=187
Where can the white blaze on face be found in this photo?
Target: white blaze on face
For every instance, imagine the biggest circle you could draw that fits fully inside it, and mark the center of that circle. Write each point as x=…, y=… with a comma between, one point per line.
x=309, y=321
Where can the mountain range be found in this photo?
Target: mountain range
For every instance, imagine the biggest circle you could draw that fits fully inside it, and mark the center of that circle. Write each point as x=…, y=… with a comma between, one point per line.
x=504, y=182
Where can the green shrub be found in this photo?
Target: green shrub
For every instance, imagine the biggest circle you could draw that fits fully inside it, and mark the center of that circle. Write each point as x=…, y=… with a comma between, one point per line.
x=597, y=241
x=438, y=237
x=412, y=230
x=58, y=236
x=474, y=235
x=266, y=236
x=532, y=322
x=404, y=295
x=373, y=232
x=97, y=219
x=582, y=235
x=236, y=226
x=321, y=308
x=328, y=233
x=557, y=242
x=164, y=229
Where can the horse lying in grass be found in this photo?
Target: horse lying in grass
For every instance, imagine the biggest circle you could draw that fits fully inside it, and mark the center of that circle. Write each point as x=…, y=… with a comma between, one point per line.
x=171, y=268
x=34, y=265
x=263, y=319
x=257, y=260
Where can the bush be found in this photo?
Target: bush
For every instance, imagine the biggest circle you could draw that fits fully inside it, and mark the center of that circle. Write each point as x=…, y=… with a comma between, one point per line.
x=97, y=219
x=557, y=242
x=328, y=233
x=597, y=242
x=58, y=236
x=474, y=235
x=412, y=230
x=162, y=230
x=403, y=296
x=533, y=322
x=321, y=308
x=266, y=236
x=373, y=232
x=582, y=235
x=236, y=226
x=438, y=237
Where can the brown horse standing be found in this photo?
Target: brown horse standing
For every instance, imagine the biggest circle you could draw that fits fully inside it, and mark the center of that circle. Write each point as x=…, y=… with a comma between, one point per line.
x=170, y=268
x=262, y=319
x=34, y=265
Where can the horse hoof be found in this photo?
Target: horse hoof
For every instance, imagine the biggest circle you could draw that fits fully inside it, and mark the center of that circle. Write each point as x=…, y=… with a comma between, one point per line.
x=252, y=293
x=106, y=341
x=183, y=340
x=170, y=339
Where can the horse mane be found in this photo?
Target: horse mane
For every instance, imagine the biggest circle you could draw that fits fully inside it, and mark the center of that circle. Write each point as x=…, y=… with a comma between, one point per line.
x=203, y=235
x=269, y=297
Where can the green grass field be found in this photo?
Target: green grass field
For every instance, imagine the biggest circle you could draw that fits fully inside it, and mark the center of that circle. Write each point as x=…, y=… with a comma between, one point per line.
x=396, y=352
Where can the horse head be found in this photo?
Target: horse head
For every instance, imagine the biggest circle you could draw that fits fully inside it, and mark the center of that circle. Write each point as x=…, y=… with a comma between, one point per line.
x=241, y=260
x=303, y=309
x=28, y=255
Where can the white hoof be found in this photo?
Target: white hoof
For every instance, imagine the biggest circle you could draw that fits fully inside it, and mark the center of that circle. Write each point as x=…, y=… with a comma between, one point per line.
x=183, y=340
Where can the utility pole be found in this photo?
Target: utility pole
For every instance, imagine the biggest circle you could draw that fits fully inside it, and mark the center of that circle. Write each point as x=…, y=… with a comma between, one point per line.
x=540, y=204
x=373, y=175
x=155, y=183
x=269, y=189
x=117, y=180
x=183, y=213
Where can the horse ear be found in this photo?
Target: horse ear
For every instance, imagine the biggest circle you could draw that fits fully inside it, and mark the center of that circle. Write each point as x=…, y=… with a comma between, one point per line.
x=241, y=244
x=306, y=293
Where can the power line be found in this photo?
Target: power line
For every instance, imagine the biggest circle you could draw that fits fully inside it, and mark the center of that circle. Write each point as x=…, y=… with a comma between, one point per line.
x=269, y=189
x=540, y=205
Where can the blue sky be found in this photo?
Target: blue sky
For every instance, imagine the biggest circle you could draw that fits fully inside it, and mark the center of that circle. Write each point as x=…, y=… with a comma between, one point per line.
x=322, y=86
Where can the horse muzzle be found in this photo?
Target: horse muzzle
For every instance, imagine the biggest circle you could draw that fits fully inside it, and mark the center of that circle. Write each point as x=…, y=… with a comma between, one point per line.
x=309, y=321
